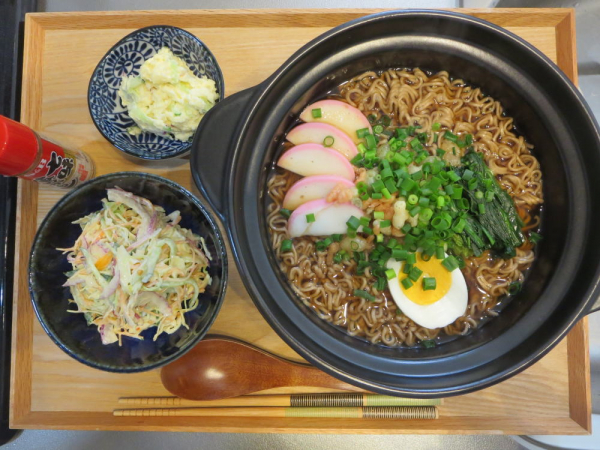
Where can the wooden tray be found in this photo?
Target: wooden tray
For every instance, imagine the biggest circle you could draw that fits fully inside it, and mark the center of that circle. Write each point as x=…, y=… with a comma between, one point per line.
x=51, y=390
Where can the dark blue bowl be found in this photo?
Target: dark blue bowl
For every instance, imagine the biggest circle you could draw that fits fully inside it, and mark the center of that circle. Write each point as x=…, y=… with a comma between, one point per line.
x=125, y=58
x=48, y=265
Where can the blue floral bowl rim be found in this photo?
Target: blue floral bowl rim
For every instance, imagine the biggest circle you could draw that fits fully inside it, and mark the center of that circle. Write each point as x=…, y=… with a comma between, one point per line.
x=186, y=149
x=219, y=302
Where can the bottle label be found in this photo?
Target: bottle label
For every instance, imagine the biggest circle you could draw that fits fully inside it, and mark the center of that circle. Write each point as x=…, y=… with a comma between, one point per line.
x=61, y=167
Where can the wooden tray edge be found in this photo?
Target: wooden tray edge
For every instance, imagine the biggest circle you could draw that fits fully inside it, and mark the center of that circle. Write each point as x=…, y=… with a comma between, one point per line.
x=21, y=415
x=451, y=425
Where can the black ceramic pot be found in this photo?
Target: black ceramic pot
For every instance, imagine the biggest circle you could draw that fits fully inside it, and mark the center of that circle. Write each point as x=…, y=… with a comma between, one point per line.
x=244, y=131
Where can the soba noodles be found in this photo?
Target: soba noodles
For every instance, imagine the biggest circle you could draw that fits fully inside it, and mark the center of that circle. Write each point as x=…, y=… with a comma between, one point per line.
x=413, y=97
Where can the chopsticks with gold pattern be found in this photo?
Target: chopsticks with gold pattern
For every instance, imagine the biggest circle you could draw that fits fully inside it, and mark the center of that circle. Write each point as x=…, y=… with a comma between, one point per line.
x=335, y=405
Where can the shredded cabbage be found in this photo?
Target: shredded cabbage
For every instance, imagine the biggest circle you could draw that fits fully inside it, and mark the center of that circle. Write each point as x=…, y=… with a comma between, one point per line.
x=135, y=268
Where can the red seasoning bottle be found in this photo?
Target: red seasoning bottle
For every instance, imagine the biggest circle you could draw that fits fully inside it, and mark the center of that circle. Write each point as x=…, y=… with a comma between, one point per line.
x=24, y=154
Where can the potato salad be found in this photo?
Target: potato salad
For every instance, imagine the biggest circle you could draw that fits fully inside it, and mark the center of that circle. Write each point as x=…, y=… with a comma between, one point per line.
x=166, y=98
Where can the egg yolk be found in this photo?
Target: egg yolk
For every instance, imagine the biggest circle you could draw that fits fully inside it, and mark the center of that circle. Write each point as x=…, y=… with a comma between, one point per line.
x=432, y=268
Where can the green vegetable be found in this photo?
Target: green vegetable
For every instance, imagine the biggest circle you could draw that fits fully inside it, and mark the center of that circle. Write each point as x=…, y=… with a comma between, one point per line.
x=316, y=113
x=430, y=343
x=498, y=218
x=328, y=141
x=429, y=284
x=364, y=294
x=286, y=246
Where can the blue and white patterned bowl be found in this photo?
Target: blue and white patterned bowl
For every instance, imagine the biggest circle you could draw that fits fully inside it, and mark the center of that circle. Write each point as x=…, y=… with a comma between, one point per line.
x=125, y=58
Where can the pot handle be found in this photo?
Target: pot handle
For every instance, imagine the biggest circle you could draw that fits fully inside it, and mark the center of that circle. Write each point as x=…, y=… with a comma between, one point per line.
x=212, y=148
x=595, y=307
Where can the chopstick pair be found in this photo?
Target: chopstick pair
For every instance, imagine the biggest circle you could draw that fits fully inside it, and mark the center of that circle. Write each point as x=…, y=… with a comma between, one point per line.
x=338, y=405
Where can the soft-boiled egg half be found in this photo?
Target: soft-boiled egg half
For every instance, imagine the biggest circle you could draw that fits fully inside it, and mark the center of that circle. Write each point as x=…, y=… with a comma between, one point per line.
x=433, y=308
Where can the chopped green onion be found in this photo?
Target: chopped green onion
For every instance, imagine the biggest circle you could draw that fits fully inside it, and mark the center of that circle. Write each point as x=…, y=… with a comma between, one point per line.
x=364, y=221
x=436, y=126
x=534, y=237
x=424, y=201
x=407, y=283
x=362, y=133
x=411, y=258
x=364, y=294
x=328, y=141
x=379, y=238
x=386, y=193
x=415, y=273
x=478, y=195
x=357, y=160
x=489, y=196
x=376, y=195
x=336, y=237
x=370, y=139
x=450, y=136
x=467, y=175
x=361, y=148
x=390, y=186
x=450, y=263
x=386, y=120
x=378, y=186
x=368, y=230
x=316, y=113
x=429, y=284
x=514, y=287
x=386, y=173
x=379, y=215
x=390, y=274
x=407, y=268
x=385, y=224
x=439, y=253
x=441, y=201
x=425, y=215
x=406, y=228
x=429, y=343
x=458, y=191
x=353, y=223
x=440, y=152
x=370, y=155
x=417, y=175
x=392, y=243
x=310, y=218
x=459, y=226
x=285, y=213
x=380, y=284
x=399, y=255
x=378, y=129
x=412, y=199
x=286, y=246
x=481, y=208
x=453, y=176
x=414, y=211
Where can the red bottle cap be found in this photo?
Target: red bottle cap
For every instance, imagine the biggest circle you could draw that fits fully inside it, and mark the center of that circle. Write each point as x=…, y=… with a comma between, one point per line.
x=18, y=147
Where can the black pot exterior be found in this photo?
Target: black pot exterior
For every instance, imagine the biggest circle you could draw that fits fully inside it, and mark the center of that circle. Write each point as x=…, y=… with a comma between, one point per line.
x=47, y=267
x=548, y=110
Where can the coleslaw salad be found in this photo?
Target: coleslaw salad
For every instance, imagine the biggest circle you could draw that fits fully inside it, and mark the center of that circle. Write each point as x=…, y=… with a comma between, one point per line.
x=135, y=268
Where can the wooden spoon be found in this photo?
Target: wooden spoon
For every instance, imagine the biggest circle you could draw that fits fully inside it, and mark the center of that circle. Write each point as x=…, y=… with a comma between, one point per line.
x=222, y=367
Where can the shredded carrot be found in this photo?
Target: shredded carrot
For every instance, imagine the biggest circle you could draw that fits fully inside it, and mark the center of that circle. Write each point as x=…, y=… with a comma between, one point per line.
x=104, y=261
